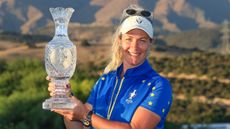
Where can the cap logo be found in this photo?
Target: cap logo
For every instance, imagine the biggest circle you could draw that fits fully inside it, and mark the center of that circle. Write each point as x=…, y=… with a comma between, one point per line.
x=139, y=20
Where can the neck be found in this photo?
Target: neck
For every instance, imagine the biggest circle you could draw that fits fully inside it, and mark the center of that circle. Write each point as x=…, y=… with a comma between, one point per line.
x=127, y=66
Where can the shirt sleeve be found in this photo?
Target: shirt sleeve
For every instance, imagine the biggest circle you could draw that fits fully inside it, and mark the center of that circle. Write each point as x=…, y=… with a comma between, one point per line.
x=159, y=99
x=93, y=94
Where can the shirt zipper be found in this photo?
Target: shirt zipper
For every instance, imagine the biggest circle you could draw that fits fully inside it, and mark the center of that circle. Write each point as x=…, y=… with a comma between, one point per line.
x=112, y=104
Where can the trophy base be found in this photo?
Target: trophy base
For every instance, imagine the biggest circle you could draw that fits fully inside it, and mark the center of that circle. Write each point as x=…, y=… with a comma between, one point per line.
x=58, y=103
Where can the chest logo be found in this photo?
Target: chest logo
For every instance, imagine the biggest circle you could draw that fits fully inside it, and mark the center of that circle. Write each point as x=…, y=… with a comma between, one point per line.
x=131, y=96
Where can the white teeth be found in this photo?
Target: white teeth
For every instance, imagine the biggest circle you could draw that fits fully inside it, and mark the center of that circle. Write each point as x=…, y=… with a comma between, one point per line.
x=134, y=54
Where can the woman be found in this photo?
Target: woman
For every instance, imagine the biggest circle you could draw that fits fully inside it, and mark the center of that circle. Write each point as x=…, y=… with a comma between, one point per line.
x=130, y=94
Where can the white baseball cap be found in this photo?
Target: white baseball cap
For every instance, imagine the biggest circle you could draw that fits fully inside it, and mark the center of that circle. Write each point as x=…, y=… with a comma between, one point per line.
x=137, y=22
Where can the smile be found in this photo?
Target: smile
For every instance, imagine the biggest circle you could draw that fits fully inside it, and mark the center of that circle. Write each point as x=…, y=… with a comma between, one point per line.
x=134, y=53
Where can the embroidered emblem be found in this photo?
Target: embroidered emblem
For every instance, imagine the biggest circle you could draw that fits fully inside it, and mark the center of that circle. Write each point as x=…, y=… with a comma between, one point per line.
x=149, y=83
x=152, y=94
x=131, y=96
x=150, y=103
x=139, y=20
x=163, y=110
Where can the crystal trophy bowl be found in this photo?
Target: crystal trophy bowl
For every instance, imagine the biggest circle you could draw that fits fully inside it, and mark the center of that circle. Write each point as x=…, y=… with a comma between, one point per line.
x=60, y=60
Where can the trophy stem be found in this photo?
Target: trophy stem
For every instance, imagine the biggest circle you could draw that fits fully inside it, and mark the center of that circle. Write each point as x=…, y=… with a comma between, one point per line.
x=60, y=100
x=60, y=88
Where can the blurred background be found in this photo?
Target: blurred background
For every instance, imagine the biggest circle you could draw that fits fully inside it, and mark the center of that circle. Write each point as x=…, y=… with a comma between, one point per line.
x=192, y=51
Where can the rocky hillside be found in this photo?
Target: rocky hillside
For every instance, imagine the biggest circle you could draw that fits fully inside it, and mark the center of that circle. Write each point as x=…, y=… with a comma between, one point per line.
x=172, y=15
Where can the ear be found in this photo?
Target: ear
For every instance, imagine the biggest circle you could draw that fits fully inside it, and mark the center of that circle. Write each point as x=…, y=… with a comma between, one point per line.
x=120, y=36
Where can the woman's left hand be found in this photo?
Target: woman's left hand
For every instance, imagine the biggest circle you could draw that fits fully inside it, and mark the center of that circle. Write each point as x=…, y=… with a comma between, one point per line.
x=79, y=112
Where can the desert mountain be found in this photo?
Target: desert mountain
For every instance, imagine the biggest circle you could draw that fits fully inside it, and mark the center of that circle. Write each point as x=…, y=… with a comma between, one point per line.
x=172, y=15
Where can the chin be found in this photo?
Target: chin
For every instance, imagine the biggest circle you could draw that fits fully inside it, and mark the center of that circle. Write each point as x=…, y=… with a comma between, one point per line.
x=135, y=62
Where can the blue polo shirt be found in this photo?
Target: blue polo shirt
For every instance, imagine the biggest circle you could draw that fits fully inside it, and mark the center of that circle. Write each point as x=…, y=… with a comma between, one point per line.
x=117, y=99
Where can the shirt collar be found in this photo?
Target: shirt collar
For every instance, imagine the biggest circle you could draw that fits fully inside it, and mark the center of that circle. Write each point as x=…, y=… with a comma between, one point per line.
x=136, y=71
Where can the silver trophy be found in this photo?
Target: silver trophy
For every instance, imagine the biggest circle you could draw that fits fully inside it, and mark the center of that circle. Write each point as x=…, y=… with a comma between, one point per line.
x=60, y=60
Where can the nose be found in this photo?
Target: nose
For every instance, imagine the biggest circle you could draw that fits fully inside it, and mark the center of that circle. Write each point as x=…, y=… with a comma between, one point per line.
x=134, y=44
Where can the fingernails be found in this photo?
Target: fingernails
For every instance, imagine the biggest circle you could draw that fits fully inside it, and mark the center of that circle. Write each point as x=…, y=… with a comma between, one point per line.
x=67, y=85
x=71, y=93
x=48, y=78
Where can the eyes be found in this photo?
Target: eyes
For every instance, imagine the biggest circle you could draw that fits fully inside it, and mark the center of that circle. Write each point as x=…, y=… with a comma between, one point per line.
x=139, y=41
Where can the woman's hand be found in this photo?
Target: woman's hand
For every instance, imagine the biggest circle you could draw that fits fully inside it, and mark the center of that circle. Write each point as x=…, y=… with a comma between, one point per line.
x=79, y=112
x=51, y=87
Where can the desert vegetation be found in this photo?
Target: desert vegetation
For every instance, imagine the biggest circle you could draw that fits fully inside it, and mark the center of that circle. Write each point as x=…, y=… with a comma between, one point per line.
x=23, y=88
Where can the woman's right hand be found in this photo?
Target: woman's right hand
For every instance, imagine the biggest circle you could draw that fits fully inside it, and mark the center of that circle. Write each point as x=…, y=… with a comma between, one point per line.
x=51, y=86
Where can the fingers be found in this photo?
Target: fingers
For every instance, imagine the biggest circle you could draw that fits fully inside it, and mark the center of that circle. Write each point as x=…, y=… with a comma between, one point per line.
x=48, y=78
x=79, y=106
x=75, y=100
x=69, y=114
x=61, y=111
x=68, y=86
x=51, y=88
x=70, y=117
x=52, y=94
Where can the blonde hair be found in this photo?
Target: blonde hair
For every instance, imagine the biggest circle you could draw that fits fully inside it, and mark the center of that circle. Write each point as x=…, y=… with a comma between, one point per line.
x=116, y=57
